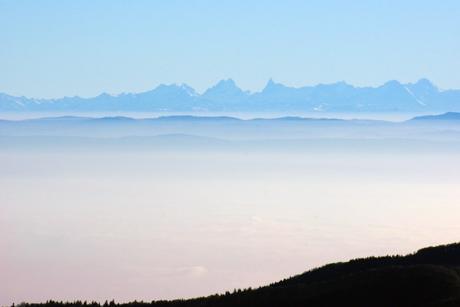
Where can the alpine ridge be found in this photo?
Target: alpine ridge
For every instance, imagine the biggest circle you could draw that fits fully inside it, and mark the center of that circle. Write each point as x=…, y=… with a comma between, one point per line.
x=393, y=96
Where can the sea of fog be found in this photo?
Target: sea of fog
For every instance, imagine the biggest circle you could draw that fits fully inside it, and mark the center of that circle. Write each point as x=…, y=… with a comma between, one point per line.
x=85, y=222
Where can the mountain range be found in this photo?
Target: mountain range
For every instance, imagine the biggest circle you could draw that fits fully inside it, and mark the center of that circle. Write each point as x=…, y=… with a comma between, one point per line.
x=226, y=96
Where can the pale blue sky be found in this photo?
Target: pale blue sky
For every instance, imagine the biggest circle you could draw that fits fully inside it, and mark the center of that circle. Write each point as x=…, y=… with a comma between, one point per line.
x=63, y=47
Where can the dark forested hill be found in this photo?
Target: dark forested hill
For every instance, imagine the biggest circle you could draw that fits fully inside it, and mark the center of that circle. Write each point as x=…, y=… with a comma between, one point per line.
x=429, y=277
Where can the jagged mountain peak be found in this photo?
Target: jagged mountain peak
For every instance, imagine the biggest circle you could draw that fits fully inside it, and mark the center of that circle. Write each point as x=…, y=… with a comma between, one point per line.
x=272, y=85
x=225, y=90
x=224, y=84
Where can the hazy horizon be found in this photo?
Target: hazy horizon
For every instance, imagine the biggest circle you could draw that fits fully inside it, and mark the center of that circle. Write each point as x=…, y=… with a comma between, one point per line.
x=387, y=116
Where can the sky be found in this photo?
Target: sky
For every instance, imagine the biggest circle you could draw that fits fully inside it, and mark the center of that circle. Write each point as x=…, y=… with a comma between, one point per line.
x=51, y=49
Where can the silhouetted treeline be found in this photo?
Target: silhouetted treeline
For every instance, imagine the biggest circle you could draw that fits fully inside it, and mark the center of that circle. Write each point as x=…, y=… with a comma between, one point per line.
x=430, y=277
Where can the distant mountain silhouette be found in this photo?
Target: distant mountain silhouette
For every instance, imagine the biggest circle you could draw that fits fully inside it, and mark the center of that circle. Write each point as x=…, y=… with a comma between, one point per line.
x=227, y=96
x=430, y=277
x=224, y=95
x=445, y=116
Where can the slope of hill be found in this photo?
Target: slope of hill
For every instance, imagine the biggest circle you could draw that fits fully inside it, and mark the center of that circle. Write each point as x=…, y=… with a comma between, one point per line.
x=392, y=96
x=445, y=116
x=429, y=277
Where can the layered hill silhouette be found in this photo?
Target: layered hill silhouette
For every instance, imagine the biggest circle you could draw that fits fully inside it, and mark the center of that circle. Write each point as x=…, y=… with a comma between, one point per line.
x=392, y=96
x=434, y=133
x=429, y=277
